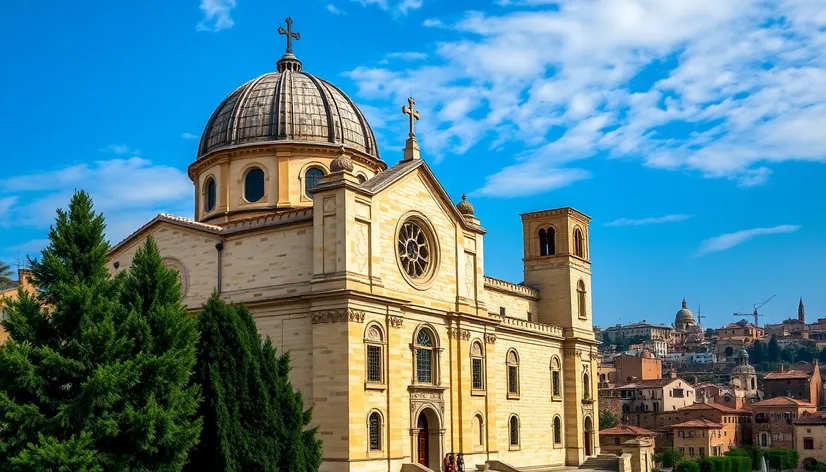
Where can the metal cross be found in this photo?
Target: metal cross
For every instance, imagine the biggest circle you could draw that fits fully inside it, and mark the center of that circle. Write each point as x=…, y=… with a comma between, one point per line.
x=414, y=114
x=290, y=34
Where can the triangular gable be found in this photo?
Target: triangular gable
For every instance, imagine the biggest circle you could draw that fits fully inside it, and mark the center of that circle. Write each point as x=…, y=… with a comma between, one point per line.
x=385, y=180
x=167, y=219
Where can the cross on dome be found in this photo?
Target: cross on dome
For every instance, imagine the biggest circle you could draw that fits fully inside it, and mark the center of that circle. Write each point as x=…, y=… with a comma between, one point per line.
x=290, y=34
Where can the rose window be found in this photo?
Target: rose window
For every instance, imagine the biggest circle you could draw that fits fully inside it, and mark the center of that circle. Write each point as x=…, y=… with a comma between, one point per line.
x=414, y=250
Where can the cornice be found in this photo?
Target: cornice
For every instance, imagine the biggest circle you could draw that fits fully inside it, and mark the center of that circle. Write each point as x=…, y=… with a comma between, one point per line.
x=336, y=316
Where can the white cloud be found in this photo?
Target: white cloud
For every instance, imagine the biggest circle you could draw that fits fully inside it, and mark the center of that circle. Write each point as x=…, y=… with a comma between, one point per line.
x=121, y=149
x=334, y=10
x=216, y=15
x=729, y=240
x=190, y=136
x=5, y=205
x=527, y=179
x=649, y=221
x=721, y=89
x=397, y=7
x=408, y=56
x=127, y=191
x=29, y=248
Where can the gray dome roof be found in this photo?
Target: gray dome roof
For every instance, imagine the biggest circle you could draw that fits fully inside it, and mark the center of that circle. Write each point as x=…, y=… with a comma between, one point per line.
x=288, y=106
x=685, y=315
x=743, y=369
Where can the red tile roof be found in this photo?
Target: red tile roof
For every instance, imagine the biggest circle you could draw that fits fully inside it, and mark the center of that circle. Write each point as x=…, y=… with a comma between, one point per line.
x=789, y=374
x=703, y=423
x=712, y=406
x=652, y=383
x=627, y=430
x=808, y=418
x=783, y=401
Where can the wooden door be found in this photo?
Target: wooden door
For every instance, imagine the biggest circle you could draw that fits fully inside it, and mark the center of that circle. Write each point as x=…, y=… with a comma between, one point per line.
x=423, y=449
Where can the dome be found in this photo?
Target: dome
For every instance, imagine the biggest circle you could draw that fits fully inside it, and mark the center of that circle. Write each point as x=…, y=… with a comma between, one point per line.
x=685, y=316
x=464, y=206
x=743, y=354
x=743, y=369
x=288, y=106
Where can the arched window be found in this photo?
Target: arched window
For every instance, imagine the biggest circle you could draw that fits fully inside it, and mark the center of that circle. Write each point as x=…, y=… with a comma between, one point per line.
x=210, y=196
x=311, y=180
x=753, y=386
x=580, y=293
x=513, y=433
x=374, y=354
x=254, y=185
x=374, y=431
x=557, y=430
x=426, y=361
x=556, y=377
x=586, y=386
x=478, y=430
x=513, y=373
x=547, y=242
x=477, y=366
x=579, y=244
x=362, y=178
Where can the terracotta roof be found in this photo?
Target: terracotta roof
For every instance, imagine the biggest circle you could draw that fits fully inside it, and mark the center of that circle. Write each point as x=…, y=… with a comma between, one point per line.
x=783, y=401
x=809, y=418
x=789, y=374
x=653, y=383
x=711, y=406
x=703, y=423
x=627, y=430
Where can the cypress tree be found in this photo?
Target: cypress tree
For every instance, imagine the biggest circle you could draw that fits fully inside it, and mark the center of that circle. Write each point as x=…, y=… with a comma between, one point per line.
x=773, y=350
x=253, y=419
x=75, y=375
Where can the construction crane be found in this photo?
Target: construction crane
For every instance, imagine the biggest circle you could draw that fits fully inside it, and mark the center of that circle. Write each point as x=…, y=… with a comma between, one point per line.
x=755, y=314
x=700, y=316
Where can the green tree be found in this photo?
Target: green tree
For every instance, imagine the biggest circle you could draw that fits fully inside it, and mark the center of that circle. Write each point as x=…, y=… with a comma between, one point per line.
x=668, y=458
x=82, y=384
x=822, y=356
x=758, y=352
x=773, y=351
x=607, y=419
x=253, y=420
x=5, y=275
x=806, y=352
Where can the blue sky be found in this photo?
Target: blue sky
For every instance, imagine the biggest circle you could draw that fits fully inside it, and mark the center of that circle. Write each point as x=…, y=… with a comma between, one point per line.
x=693, y=133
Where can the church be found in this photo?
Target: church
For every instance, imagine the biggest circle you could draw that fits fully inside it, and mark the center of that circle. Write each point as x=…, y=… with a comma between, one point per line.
x=366, y=271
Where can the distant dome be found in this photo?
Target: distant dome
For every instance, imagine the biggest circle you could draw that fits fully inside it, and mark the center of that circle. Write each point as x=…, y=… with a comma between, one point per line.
x=684, y=317
x=743, y=354
x=288, y=106
x=743, y=369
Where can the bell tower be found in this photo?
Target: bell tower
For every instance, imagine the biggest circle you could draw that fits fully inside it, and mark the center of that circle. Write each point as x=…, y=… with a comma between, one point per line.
x=557, y=263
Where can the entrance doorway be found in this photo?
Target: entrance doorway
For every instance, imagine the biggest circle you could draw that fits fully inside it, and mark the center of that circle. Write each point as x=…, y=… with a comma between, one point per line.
x=589, y=433
x=427, y=439
x=423, y=446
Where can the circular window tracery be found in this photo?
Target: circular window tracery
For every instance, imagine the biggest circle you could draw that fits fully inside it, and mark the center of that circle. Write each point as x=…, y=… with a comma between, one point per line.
x=415, y=252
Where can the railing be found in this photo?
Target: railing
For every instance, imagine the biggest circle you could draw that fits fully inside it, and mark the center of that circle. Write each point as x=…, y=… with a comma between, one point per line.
x=517, y=289
x=531, y=325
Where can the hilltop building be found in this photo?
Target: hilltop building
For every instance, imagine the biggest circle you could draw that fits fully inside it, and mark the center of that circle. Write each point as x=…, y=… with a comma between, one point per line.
x=24, y=281
x=803, y=382
x=373, y=279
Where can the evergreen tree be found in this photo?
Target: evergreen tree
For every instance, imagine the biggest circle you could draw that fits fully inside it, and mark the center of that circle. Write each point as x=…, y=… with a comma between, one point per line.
x=5, y=275
x=86, y=383
x=822, y=356
x=773, y=350
x=159, y=427
x=253, y=420
x=757, y=352
x=607, y=419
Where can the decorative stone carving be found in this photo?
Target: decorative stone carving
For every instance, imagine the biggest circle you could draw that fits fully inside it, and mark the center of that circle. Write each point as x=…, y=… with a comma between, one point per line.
x=490, y=338
x=395, y=321
x=420, y=398
x=470, y=276
x=335, y=316
x=330, y=205
x=183, y=275
x=573, y=353
x=456, y=333
x=476, y=349
x=361, y=248
x=373, y=334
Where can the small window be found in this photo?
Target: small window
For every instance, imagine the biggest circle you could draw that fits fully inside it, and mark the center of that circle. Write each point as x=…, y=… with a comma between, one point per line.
x=311, y=178
x=547, y=242
x=513, y=373
x=808, y=443
x=210, y=197
x=530, y=316
x=478, y=430
x=557, y=430
x=513, y=425
x=556, y=387
x=254, y=185
x=586, y=386
x=477, y=366
x=362, y=178
x=616, y=440
x=374, y=431
x=581, y=298
x=374, y=347
x=502, y=311
x=579, y=244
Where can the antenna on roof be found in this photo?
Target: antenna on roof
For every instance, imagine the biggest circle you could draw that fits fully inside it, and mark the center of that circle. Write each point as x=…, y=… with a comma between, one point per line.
x=18, y=262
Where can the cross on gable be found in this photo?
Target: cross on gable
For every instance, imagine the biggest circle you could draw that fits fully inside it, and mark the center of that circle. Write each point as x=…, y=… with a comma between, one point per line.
x=413, y=113
x=290, y=34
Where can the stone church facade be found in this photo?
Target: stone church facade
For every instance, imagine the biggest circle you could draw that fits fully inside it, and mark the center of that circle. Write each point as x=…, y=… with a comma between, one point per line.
x=373, y=280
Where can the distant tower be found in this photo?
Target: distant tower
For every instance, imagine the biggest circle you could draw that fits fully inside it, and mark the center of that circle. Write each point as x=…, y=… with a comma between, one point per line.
x=743, y=376
x=801, y=311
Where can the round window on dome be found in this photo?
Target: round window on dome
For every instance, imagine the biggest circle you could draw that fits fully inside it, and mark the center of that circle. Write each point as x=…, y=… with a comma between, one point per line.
x=311, y=178
x=254, y=185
